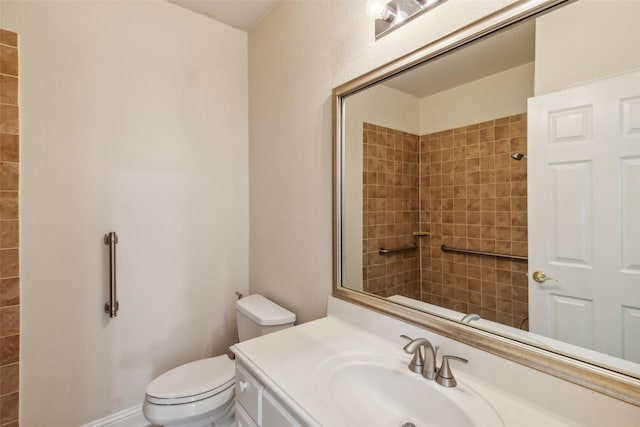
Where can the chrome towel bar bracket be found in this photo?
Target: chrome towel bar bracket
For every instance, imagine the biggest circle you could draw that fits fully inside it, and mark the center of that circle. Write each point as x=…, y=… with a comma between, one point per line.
x=111, y=307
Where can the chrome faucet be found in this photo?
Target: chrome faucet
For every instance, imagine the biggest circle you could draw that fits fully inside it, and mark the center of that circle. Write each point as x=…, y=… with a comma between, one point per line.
x=424, y=357
x=470, y=317
x=445, y=378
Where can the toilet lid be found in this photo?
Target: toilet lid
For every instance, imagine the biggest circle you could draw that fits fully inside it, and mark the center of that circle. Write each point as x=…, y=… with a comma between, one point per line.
x=193, y=381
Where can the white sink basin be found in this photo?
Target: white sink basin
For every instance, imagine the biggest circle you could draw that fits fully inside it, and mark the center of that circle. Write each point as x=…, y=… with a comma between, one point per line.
x=374, y=389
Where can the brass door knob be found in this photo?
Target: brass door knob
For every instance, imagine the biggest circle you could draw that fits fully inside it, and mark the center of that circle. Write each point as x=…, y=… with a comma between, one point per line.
x=540, y=277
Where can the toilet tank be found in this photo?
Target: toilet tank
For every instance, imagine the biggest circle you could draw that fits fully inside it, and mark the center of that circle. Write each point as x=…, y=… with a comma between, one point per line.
x=257, y=316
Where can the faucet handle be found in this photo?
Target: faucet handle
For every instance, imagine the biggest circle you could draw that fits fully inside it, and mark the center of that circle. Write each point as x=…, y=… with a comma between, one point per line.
x=417, y=363
x=445, y=377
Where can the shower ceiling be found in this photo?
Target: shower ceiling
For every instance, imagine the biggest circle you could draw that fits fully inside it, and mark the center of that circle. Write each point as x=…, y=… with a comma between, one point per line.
x=487, y=58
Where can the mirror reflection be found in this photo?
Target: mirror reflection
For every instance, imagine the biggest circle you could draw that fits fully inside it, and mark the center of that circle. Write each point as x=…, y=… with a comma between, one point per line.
x=498, y=185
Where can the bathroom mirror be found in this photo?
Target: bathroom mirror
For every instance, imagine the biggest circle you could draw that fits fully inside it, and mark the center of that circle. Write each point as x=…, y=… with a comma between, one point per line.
x=466, y=195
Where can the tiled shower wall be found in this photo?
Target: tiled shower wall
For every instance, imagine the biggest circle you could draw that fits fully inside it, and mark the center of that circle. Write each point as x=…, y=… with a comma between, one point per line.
x=474, y=196
x=471, y=195
x=9, y=266
x=390, y=211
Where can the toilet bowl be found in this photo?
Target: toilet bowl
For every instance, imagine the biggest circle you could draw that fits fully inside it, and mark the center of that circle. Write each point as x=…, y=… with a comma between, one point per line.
x=197, y=394
x=201, y=393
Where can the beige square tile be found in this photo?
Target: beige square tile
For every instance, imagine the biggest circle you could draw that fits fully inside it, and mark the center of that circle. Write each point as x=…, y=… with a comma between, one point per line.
x=9, y=148
x=520, y=309
x=8, y=90
x=519, y=129
x=487, y=190
x=9, y=265
x=503, y=189
x=8, y=408
x=487, y=135
x=460, y=138
x=472, y=151
x=9, y=38
x=473, y=218
x=489, y=289
x=487, y=147
x=518, y=172
x=487, y=176
x=518, y=144
x=9, y=320
x=504, y=306
x=9, y=230
x=503, y=247
x=488, y=204
x=503, y=219
x=9, y=349
x=503, y=289
x=501, y=132
x=9, y=291
x=487, y=245
x=487, y=124
x=519, y=188
x=9, y=119
x=473, y=137
x=518, y=117
x=487, y=163
x=8, y=60
x=9, y=176
x=9, y=378
x=489, y=302
x=503, y=233
x=519, y=219
x=502, y=204
x=519, y=248
x=502, y=121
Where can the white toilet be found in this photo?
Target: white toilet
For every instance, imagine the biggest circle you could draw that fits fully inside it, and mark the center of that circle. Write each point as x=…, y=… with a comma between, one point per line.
x=201, y=393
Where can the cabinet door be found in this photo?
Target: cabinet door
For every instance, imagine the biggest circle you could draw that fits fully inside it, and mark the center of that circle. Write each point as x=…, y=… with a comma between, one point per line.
x=249, y=393
x=274, y=414
x=242, y=418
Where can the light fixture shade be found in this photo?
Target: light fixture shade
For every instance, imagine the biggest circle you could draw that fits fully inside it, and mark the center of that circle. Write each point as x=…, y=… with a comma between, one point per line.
x=391, y=14
x=376, y=9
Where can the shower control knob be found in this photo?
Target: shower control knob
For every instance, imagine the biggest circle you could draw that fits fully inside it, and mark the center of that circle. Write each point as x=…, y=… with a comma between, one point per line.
x=540, y=277
x=242, y=386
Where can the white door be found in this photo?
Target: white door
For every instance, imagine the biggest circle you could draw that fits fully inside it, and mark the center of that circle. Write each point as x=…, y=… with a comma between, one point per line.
x=584, y=215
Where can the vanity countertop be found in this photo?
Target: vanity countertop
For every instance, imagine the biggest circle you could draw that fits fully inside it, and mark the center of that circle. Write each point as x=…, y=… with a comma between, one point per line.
x=287, y=362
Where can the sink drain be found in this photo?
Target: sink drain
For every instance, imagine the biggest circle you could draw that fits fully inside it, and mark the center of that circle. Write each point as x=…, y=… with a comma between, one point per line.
x=409, y=424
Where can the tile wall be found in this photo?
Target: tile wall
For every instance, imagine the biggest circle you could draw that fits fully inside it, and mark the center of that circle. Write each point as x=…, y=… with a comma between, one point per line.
x=471, y=195
x=390, y=211
x=9, y=262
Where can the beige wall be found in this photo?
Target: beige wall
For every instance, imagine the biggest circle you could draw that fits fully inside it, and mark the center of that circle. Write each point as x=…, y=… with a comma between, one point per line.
x=133, y=119
x=499, y=95
x=580, y=43
x=297, y=54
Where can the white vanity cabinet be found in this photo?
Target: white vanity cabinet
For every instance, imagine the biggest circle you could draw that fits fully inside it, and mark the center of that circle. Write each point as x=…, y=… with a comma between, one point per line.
x=256, y=406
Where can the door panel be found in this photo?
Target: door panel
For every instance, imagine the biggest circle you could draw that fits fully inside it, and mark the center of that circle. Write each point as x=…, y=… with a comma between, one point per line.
x=584, y=205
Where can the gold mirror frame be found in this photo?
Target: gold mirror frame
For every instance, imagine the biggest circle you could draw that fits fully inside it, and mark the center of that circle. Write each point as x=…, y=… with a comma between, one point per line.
x=596, y=378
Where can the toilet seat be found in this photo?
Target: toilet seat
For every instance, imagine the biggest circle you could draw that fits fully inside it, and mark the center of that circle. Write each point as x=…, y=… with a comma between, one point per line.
x=192, y=382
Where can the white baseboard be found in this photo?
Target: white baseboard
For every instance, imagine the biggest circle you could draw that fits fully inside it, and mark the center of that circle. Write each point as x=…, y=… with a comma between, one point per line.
x=131, y=417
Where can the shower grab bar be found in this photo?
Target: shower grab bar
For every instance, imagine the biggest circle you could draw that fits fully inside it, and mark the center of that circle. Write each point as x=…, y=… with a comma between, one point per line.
x=383, y=251
x=111, y=307
x=445, y=248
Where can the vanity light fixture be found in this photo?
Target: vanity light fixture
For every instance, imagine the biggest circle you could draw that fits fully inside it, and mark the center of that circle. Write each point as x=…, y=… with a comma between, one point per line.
x=391, y=14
